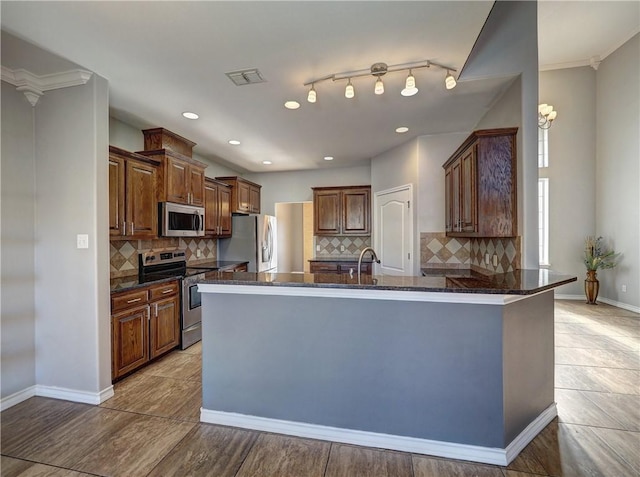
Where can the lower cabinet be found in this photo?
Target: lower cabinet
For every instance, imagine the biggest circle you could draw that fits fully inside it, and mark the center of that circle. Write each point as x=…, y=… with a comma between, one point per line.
x=145, y=323
x=324, y=266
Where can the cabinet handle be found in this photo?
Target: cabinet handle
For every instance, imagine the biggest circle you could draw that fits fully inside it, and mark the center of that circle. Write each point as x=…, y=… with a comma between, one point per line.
x=156, y=315
x=134, y=300
x=132, y=232
x=169, y=290
x=124, y=227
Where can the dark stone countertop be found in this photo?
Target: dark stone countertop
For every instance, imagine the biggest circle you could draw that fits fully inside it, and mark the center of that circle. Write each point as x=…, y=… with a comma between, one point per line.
x=520, y=282
x=131, y=282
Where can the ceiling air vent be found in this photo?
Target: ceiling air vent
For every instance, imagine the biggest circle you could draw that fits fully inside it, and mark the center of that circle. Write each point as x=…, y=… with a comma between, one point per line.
x=240, y=78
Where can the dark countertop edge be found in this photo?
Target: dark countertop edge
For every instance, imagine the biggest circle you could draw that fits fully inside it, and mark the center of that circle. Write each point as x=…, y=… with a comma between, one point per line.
x=479, y=290
x=340, y=259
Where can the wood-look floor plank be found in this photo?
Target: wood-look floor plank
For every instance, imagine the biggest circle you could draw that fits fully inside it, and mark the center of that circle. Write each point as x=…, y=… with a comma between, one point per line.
x=517, y=473
x=590, y=378
x=156, y=396
x=353, y=461
x=568, y=340
x=624, y=443
x=24, y=422
x=177, y=366
x=567, y=450
x=526, y=462
x=432, y=467
x=282, y=456
x=574, y=407
x=11, y=467
x=625, y=408
x=207, y=451
x=608, y=358
x=135, y=449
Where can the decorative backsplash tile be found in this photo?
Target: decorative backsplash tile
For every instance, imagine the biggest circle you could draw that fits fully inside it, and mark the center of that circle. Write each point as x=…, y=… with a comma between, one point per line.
x=124, y=253
x=439, y=251
x=331, y=246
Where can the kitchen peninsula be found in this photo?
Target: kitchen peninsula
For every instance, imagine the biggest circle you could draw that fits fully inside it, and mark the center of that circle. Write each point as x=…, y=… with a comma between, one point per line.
x=454, y=365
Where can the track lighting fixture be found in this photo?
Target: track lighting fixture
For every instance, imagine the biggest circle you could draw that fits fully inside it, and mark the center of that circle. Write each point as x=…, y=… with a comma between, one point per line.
x=378, y=70
x=546, y=115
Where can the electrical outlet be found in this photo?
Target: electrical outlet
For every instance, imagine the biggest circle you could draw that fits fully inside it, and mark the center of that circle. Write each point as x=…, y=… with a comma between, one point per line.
x=317, y=248
x=624, y=288
x=495, y=260
x=198, y=253
x=342, y=248
x=486, y=259
x=82, y=241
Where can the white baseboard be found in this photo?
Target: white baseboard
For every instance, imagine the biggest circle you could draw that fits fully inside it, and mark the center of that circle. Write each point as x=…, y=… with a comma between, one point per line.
x=17, y=398
x=618, y=304
x=56, y=393
x=488, y=455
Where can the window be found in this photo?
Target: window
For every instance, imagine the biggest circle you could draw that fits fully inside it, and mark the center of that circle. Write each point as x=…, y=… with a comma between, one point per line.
x=543, y=221
x=543, y=147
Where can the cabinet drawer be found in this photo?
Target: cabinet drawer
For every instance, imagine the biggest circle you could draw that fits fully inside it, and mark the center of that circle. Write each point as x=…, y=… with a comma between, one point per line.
x=324, y=267
x=164, y=290
x=129, y=299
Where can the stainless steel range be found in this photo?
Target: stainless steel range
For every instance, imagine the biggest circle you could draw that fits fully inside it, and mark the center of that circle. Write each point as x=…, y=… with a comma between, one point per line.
x=173, y=264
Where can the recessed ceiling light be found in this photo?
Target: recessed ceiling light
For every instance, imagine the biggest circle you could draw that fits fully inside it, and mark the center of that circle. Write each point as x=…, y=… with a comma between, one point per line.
x=292, y=105
x=402, y=129
x=328, y=158
x=266, y=163
x=190, y=115
x=234, y=142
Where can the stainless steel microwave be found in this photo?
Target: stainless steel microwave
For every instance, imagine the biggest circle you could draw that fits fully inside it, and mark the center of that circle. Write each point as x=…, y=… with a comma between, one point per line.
x=178, y=220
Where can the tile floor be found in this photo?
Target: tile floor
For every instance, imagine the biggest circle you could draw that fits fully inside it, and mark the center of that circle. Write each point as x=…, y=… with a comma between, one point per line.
x=150, y=427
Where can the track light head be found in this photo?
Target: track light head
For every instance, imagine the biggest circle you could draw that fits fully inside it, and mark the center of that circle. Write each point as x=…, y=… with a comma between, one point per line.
x=349, y=92
x=311, y=97
x=450, y=82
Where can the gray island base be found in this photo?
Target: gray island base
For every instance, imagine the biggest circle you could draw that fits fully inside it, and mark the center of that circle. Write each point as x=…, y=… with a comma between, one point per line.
x=456, y=375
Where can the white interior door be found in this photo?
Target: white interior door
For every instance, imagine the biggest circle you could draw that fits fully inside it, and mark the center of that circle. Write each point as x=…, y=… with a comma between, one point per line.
x=394, y=230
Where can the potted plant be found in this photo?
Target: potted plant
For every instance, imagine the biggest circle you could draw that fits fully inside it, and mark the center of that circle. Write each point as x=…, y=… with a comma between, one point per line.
x=596, y=256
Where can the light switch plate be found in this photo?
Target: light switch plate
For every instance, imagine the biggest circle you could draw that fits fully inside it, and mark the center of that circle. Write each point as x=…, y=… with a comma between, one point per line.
x=82, y=240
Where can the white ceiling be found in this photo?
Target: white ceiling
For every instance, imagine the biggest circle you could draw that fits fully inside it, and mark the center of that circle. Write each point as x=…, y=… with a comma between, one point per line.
x=163, y=58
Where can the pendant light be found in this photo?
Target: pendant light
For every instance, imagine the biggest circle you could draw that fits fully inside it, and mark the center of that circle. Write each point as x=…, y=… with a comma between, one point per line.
x=379, y=88
x=409, y=86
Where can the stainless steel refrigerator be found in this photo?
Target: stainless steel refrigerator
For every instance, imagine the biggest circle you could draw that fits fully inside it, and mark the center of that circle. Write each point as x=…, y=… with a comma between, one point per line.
x=253, y=240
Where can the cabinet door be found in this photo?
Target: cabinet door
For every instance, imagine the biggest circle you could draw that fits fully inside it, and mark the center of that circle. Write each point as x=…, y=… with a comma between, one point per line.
x=196, y=186
x=448, y=204
x=211, y=209
x=254, y=199
x=176, y=181
x=468, y=209
x=326, y=213
x=141, y=199
x=224, y=201
x=456, y=185
x=356, y=212
x=244, y=197
x=116, y=196
x=164, y=325
x=129, y=340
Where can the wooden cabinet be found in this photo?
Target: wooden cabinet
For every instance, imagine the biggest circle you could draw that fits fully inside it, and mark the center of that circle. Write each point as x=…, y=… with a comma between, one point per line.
x=480, y=186
x=339, y=266
x=181, y=179
x=342, y=210
x=245, y=195
x=133, y=209
x=217, y=208
x=145, y=323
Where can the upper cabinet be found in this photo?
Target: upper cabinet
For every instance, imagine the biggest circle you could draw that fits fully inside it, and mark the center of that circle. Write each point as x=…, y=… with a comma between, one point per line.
x=342, y=210
x=182, y=178
x=217, y=208
x=245, y=195
x=133, y=211
x=480, y=186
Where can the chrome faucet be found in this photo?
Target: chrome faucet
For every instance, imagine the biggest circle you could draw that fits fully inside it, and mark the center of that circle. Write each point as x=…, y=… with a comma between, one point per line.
x=374, y=257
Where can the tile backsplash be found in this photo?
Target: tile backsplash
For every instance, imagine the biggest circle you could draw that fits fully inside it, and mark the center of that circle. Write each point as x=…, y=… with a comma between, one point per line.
x=124, y=253
x=331, y=246
x=439, y=251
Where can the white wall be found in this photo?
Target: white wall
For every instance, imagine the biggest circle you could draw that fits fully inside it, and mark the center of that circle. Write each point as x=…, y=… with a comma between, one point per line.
x=295, y=186
x=508, y=46
x=71, y=292
x=290, y=237
x=618, y=168
x=17, y=222
x=571, y=171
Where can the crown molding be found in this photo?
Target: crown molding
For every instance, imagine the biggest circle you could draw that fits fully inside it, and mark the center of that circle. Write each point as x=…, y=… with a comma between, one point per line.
x=34, y=86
